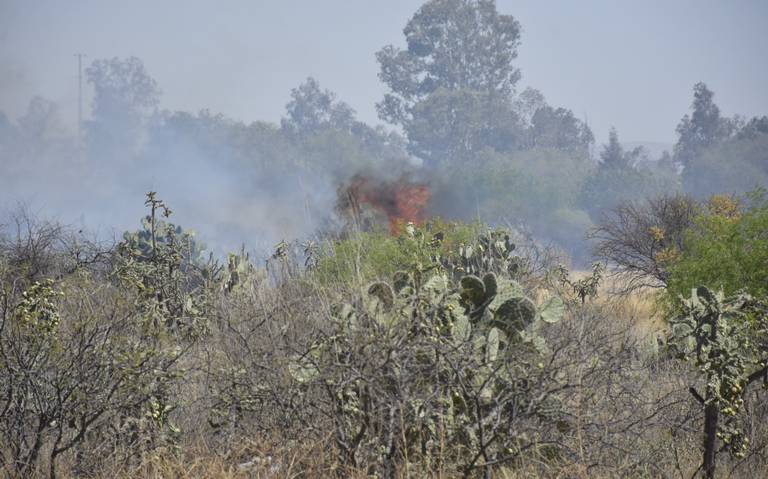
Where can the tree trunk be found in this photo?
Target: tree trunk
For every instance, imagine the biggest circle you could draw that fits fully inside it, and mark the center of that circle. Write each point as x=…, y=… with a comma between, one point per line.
x=711, y=415
x=711, y=411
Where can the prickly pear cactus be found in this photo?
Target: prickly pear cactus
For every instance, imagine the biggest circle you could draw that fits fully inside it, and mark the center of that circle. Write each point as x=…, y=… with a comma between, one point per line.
x=239, y=273
x=491, y=252
x=462, y=349
x=166, y=235
x=724, y=338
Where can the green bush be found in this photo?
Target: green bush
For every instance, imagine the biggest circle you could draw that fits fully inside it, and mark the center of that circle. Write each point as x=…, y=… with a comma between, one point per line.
x=735, y=166
x=365, y=256
x=91, y=361
x=724, y=338
x=432, y=366
x=727, y=249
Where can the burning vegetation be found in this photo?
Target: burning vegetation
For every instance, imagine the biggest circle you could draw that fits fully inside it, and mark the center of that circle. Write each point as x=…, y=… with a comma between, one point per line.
x=369, y=201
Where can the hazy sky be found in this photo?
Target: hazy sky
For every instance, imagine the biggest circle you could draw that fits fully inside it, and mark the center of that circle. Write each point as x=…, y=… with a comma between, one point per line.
x=628, y=64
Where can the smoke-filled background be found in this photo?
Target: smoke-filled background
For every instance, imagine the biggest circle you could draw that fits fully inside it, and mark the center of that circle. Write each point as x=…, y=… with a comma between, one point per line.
x=249, y=118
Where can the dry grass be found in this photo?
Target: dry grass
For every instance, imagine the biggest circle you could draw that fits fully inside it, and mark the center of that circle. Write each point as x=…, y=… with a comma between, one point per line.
x=265, y=460
x=247, y=459
x=642, y=304
x=629, y=413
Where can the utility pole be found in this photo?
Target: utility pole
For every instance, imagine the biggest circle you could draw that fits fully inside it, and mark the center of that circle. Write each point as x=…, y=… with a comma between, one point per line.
x=80, y=97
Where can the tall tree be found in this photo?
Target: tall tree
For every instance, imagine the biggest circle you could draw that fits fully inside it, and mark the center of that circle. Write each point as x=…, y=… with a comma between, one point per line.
x=125, y=96
x=720, y=154
x=332, y=137
x=452, y=44
x=703, y=128
x=615, y=157
x=623, y=176
x=753, y=128
x=313, y=109
x=527, y=103
x=558, y=128
x=736, y=166
x=451, y=89
x=454, y=126
x=549, y=127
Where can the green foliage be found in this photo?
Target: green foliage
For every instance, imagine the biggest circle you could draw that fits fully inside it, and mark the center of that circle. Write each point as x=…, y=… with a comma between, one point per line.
x=365, y=256
x=154, y=263
x=726, y=249
x=538, y=188
x=613, y=155
x=337, y=153
x=725, y=339
x=121, y=86
x=452, y=88
x=559, y=129
x=724, y=334
x=37, y=313
x=90, y=360
x=720, y=154
x=454, y=354
x=124, y=98
x=312, y=109
x=523, y=186
x=453, y=127
x=488, y=42
x=239, y=274
x=607, y=188
x=165, y=235
x=735, y=166
x=490, y=251
x=703, y=128
x=624, y=176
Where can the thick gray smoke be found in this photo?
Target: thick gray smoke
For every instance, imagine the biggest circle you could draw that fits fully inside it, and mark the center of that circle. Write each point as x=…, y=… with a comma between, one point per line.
x=207, y=193
x=233, y=183
x=100, y=184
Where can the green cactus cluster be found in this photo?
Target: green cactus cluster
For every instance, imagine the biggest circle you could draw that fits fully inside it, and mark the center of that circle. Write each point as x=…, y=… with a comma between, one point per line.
x=157, y=262
x=492, y=251
x=37, y=311
x=239, y=272
x=100, y=352
x=725, y=338
x=167, y=235
x=474, y=345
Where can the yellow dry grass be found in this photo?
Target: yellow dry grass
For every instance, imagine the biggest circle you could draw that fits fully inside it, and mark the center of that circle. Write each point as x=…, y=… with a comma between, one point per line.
x=642, y=306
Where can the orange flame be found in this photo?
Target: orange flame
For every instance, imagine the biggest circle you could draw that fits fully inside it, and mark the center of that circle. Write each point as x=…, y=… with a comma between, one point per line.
x=401, y=201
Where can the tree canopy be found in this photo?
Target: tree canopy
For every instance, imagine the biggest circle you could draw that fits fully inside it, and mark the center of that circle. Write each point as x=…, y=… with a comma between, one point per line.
x=452, y=44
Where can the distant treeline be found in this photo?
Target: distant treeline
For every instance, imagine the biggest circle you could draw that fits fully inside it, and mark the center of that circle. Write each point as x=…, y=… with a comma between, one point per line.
x=456, y=120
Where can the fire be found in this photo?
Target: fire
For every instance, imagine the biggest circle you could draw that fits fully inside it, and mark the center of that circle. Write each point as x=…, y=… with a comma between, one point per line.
x=401, y=201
